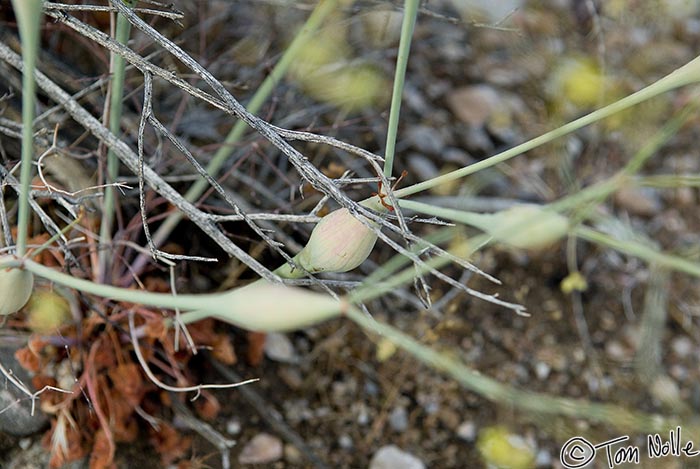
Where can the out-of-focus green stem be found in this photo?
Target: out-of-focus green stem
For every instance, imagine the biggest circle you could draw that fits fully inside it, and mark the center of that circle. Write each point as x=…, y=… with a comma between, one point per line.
x=541, y=403
x=410, y=12
x=123, y=29
x=689, y=73
x=639, y=250
x=28, y=13
x=322, y=10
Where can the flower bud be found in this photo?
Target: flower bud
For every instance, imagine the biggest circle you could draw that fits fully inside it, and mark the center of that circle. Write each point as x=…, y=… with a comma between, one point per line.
x=339, y=243
x=527, y=226
x=267, y=307
x=15, y=288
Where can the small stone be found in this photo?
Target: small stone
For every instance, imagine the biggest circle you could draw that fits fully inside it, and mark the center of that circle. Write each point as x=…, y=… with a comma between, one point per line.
x=292, y=377
x=543, y=458
x=616, y=351
x=345, y=442
x=467, y=431
x=422, y=168
x=639, y=200
x=262, y=449
x=665, y=390
x=475, y=105
x=233, y=427
x=279, y=348
x=398, y=419
x=682, y=346
x=425, y=139
x=293, y=455
x=542, y=370
x=392, y=457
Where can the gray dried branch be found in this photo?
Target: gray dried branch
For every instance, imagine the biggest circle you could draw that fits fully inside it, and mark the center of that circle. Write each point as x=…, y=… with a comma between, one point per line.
x=225, y=101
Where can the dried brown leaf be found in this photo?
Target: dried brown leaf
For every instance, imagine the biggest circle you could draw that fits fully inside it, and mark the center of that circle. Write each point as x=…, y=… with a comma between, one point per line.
x=256, y=347
x=128, y=381
x=102, y=455
x=170, y=444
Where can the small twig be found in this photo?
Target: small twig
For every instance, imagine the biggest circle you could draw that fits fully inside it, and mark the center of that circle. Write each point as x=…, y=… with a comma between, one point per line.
x=53, y=150
x=173, y=15
x=207, y=432
x=196, y=389
x=22, y=387
x=179, y=325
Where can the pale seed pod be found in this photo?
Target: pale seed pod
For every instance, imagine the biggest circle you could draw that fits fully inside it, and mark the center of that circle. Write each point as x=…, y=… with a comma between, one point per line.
x=15, y=288
x=267, y=307
x=338, y=243
x=527, y=226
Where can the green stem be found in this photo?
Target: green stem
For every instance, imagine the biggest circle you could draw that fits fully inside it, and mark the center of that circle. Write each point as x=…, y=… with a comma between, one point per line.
x=322, y=10
x=116, y=96
x=639, y=250
x=409, y=22
x=28, y=13
x=689, y=73
x=491, y=389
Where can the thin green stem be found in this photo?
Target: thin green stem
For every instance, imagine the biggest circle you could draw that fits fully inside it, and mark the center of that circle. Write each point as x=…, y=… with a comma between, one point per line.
x=28, y=13
x=639, y=250
x=689, y=73
x=123, y=29
x=322, y=10
x=410, y=13
x=500, y=393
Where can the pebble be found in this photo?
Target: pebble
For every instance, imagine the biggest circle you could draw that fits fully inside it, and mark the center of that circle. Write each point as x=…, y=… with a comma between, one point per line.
x=398, y=419
x=543, y=458
x=474, y=105
x=233, y=427
x=262, y=449
x=392, y=457
x=682, y=346
x=345, y=441
x=292, y=455
x=467, y=431
x=279, y=348
x=422, y=168
x=425, y=139
x=639, y=201
x=542, y=370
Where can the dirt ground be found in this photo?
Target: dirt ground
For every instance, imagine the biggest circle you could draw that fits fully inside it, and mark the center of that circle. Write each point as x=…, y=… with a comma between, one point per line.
x=333, y=396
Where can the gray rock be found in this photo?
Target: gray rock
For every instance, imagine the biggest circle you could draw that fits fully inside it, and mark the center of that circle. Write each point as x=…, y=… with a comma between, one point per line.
x=392, y=457
x=398, y=419
x=279, y=348
x=262, y=449
x=15, y=406
x=425, y=139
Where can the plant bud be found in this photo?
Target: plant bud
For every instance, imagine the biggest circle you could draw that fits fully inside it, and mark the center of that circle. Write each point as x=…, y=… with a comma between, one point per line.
x=339, y=243
x=267, y=307
x=15, y=288
x=527, y=226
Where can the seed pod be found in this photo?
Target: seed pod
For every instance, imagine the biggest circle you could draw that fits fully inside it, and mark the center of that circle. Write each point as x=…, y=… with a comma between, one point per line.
x=267, y=307
x=339, y=243
x=527, y=226
x=15, y=288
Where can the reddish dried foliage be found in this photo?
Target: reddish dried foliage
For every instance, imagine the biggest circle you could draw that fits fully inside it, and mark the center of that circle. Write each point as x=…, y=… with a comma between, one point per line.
x=169, y=443
x=256, y=348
